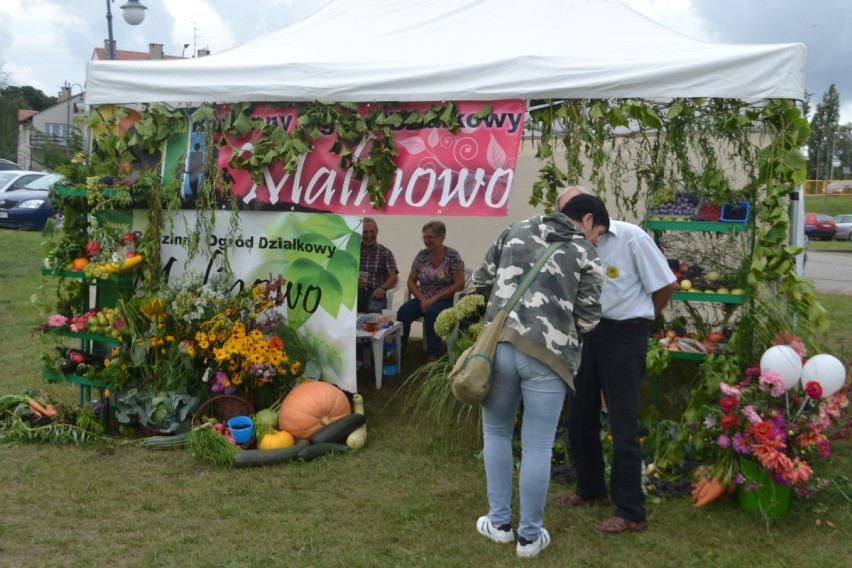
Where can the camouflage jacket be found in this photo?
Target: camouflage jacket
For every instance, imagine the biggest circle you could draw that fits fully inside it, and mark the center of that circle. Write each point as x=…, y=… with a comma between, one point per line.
x=561, y=304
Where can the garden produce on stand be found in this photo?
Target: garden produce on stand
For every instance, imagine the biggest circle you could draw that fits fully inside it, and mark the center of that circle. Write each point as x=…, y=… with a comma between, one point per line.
x=257, y=458
x=310, y=406
x=668, y=204
x=357, y=439
x=314, y=451
x=165, y=442
x=338, y=431
x=275, y=440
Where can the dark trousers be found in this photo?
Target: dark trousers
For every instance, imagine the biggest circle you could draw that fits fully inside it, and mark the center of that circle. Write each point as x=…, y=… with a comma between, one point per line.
x=369, y=305
x=410, y=311
x=613, y=363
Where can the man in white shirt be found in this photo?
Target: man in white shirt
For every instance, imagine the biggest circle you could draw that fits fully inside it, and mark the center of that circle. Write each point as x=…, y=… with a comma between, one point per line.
x=637, y=285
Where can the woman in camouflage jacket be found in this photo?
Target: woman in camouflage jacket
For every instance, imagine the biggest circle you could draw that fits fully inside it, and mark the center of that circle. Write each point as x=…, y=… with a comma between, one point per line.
x=538, y=355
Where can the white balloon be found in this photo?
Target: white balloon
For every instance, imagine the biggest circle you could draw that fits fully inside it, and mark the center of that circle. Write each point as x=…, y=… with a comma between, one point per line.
x=827, y=370
x=785, y=362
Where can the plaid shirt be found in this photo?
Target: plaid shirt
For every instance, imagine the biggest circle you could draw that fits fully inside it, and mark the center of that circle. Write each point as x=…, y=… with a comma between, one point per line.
x=378, y=263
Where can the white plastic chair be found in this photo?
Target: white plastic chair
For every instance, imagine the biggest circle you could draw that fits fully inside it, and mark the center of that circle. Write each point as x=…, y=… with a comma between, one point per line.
x=451, y=339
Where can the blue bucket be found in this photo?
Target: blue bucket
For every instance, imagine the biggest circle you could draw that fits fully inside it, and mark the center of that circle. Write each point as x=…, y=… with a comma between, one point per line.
x=242, y=429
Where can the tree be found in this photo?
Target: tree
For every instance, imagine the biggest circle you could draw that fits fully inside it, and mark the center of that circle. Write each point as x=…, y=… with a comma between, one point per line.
x=12, y=100
x=31, y=98
x=824, y=134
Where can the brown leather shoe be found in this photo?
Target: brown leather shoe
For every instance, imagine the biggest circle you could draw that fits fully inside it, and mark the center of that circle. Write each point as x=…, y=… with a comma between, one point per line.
x=572, y=500
x=618, y=525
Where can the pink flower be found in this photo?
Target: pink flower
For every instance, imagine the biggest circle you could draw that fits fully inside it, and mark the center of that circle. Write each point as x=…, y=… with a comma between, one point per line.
x=729, y=390
x=57, y=320
x=751, y=415
x=824, y=448
x=772, y=383
x=724, y=441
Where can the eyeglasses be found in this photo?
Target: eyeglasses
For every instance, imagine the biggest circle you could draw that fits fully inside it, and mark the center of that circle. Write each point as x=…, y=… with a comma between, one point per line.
x=429, y=237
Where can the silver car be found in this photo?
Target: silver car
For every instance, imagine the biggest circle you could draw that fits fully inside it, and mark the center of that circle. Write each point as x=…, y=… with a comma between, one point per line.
x=844, y=227
x=16, y=179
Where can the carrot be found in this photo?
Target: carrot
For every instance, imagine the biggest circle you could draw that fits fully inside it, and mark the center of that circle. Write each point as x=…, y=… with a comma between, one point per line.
x=34, y=408
x=40, y=410
x=712, y=491
x=698, y=487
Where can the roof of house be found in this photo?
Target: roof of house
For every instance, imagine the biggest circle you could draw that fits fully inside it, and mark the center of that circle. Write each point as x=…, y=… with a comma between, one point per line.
x=100, y=54
x=26, y=114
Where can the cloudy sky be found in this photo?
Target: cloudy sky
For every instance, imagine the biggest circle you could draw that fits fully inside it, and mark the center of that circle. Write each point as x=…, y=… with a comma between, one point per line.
x=46, y=43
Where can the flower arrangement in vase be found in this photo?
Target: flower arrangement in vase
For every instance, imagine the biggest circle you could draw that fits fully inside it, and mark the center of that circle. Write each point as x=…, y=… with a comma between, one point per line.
x=776, y=416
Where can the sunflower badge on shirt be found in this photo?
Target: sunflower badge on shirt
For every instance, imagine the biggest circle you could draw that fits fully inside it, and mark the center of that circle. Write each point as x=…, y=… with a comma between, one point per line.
x=441, y=275
x=612, y=271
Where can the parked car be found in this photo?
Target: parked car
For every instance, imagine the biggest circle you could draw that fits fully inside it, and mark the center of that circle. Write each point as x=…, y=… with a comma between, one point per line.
x=16, y=179
x=28, y=207
x=844, y=227
x=7, y=165
x=819, y=226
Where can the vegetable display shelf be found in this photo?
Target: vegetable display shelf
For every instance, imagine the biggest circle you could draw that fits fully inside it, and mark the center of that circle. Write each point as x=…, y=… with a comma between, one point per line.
x=89, y=336
x=687, y=355
x=84, y=384
x=82, y=193
x=709, y=226
x=124, y=279
x=660, y=225
x=705, y=297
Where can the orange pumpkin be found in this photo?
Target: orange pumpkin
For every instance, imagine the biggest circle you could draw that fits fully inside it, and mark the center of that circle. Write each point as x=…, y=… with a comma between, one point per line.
x=310, y=406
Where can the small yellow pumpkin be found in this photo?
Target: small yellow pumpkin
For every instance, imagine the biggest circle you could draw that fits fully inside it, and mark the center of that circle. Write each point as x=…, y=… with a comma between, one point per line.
x=275, y=440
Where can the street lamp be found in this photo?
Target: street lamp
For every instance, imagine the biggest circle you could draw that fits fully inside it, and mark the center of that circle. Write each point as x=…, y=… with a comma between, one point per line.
x=134, y=14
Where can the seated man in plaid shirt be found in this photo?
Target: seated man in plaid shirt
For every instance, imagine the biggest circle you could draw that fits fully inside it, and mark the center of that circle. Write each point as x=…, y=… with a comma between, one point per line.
x=378, y=263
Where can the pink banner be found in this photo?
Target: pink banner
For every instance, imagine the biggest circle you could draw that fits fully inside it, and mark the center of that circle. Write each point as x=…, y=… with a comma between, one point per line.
x=468, y=173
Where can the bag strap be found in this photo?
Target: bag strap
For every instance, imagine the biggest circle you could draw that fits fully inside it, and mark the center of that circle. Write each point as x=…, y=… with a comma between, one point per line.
x=531, y=275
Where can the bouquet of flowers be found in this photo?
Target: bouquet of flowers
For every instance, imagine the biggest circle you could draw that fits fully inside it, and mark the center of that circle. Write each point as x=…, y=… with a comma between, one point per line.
x=776, y=415
x=237, y=348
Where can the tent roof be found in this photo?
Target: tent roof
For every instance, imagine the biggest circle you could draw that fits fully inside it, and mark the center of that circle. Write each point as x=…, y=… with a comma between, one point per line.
x=434, y=50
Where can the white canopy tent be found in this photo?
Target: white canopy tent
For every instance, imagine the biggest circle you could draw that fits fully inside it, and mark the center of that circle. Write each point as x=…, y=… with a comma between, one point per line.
x=434, y=50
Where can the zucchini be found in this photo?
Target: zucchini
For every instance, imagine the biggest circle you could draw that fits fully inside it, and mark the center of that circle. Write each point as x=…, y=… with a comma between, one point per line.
x=165, y=442
x=257, y=458
x=339, y=430
x=314, y=451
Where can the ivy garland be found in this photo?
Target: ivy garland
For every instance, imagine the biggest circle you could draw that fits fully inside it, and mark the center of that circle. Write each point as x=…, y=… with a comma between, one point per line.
x=681, y=142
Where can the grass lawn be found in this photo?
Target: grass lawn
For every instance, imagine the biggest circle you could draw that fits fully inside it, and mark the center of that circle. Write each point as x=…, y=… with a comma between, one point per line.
x=402, y=501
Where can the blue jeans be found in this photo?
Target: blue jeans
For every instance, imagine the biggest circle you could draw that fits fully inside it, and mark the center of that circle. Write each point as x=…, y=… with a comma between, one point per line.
x=518, y=376
x=410, y=311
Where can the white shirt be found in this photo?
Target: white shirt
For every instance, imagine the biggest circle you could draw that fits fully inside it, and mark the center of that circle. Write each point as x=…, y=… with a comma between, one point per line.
x=633, y=269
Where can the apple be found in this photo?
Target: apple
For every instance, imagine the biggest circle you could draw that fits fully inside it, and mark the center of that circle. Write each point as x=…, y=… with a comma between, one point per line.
x=695, y=290
x=708, y=291
x=723, y=290
x=737, y=291
x=711, y=276
x=684, y=267
x=685, y=285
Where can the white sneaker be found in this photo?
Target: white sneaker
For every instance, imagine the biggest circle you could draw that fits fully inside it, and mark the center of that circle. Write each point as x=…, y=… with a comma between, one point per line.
x=533, y=548
x=485, y=527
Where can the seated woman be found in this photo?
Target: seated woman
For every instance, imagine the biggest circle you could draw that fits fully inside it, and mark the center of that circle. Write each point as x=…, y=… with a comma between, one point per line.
x=436, y=274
